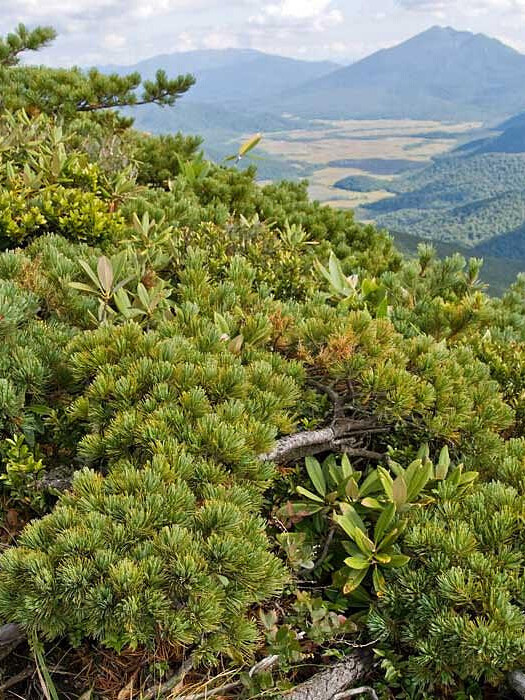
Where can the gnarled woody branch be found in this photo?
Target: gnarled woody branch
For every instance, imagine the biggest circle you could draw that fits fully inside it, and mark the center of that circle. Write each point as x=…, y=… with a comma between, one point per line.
x=516, y=680
x=337, y=438
x=335, y=679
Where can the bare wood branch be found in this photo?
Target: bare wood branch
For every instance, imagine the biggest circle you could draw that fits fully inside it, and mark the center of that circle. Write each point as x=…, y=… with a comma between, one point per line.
x=84, y=107
x=14, y=680
x=299, y=445
x=326, y=548
x=7, y=649
x=50, y=482
x=363, y=690
x=11, y=633
x=222, y=690
x=516, y=680
x=263, y=665
x=342, y=446
x=334, y=680
x=336, y=399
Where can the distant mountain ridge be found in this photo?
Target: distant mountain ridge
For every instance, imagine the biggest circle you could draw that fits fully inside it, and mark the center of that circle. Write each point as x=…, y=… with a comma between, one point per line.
x=233, y=75
x=440, y=74
x=508, y=137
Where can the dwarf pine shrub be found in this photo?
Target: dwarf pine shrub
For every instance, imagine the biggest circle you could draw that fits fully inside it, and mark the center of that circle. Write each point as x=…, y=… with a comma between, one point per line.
x=456, y=613
x=218, y=334
x=167, y=545
x=31, y=361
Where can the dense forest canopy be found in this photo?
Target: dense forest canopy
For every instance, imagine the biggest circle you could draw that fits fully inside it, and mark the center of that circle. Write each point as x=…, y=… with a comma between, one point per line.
x=475, y=200
x=242, y=438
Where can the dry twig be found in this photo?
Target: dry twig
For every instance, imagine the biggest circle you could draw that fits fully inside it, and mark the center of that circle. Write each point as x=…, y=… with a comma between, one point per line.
x=14, y=680
x=161, y=690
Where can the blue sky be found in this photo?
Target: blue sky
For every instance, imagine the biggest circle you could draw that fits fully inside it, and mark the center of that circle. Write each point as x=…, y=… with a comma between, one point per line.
x=125, y=31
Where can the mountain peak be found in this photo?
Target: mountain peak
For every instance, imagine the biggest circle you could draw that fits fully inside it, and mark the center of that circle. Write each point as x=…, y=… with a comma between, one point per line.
x=442, y=73
x=438, y=35
x=448, y=30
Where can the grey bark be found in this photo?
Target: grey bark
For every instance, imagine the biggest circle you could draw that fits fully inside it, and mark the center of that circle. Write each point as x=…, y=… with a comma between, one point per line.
x=55, y=480
x=338, y=438
x=335, y=679
x=11, y=633
x=516, y=680
x=162, y=690
x=364, y=690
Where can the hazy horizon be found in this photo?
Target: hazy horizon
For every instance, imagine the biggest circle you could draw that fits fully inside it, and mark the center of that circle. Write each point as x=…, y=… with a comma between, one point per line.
x=127, y=31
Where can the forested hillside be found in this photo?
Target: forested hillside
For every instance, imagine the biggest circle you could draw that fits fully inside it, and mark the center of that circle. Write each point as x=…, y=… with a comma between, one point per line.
x=465, y=199
x=508, y=137
x=247, y=448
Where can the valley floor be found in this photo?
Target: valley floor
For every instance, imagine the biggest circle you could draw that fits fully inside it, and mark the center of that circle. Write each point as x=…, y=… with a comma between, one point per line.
x=384, y=148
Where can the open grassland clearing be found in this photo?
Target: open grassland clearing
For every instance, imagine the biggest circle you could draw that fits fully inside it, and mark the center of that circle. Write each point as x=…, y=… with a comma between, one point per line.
x=328, y=143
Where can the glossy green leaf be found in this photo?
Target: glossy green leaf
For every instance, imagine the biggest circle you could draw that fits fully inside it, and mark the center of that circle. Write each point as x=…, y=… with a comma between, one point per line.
x=384, y=522
x=389, y=539
x=352, y=517
x=346, y=466
x=143, y=295
x=337, y=276
x=371, y=503
x=122, y=302
x=352, y=489
x=417, y=477
x=357, y=562
x=379, y=581
x=354, y=580
x=468, y=478
x=308, y=494
x=83, y=287
x=382, y=558
x=386, y=482
x=364, y=543
x=399, y=491
x=315, y=472
x=371, y=484
x=249, y=145
x=424, y=451
x=89, y=272
x=105, y=273
x=398, y=560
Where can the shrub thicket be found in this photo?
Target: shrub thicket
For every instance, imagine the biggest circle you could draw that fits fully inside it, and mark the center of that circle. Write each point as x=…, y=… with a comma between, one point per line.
x=166, y=320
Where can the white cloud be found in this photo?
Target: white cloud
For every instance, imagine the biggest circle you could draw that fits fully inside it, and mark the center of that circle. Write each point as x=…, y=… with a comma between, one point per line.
x=57, y=10
x=113, y=41
x=471, y=7
x=105, y=31
x=220, y=40
x=316, y=15
x=298, y=9
x=60, y=8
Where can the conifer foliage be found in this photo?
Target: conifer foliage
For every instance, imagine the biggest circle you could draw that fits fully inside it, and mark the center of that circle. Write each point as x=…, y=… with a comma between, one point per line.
x=167, y=545
x=164, y=321
x=66, y=92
